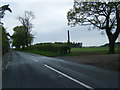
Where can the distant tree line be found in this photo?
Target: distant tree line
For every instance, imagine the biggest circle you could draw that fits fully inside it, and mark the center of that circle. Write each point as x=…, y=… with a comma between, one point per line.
x=72, y=44
x=117, y=44
x=75, y=45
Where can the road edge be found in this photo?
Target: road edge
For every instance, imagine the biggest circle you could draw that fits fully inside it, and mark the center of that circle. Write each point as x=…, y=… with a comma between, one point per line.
x=8, y=59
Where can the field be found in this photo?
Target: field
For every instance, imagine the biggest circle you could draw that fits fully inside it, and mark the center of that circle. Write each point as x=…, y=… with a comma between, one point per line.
x=76, y=51
x=98, y=57
x=95, y=50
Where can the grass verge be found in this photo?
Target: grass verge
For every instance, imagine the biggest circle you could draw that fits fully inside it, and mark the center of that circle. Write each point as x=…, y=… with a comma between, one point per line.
x=44, y=53
x=97, y=50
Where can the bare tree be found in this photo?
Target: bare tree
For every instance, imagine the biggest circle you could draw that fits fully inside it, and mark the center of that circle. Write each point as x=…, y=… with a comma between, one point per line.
x=26, y=22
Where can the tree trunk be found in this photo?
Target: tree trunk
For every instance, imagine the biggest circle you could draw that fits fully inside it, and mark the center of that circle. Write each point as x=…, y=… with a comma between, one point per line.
x=26, y=36
x=112, y=39
x=112, y=47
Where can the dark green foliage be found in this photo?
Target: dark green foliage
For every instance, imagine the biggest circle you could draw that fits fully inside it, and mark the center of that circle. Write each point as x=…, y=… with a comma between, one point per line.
x=6, y=7
x=59, y=48
x=75, y=45
x=40, y=52
x=5, y=40
x=19, y=37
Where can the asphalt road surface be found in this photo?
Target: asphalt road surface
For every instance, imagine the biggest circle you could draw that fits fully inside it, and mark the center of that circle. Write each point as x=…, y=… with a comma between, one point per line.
x=26, y=70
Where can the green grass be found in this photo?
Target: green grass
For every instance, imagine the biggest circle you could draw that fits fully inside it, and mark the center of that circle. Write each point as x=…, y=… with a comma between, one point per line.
x=97, y=50
x=45, y=53
x=75, y=51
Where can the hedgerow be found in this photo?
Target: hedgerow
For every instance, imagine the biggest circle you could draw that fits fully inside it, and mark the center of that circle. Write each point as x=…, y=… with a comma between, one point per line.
x=61, y=48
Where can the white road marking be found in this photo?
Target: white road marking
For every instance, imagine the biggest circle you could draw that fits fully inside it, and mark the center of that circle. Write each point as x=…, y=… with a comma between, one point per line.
x=69, y=77
x=35, y=60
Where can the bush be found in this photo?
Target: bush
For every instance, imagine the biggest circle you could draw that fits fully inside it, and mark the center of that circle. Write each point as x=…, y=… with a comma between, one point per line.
x=60, y=48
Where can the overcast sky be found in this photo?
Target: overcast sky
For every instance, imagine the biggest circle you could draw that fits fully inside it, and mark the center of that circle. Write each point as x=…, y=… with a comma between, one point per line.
x=50, y=23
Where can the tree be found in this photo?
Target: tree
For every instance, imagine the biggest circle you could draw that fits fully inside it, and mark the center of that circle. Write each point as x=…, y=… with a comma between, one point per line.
x=104, y=16
x=19, y=37
x=2, y=11
x=26, y=22
x=5, y=41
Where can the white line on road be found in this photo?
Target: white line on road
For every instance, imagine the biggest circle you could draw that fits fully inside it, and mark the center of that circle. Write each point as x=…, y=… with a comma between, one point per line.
x=69, y=77
x=35, y=60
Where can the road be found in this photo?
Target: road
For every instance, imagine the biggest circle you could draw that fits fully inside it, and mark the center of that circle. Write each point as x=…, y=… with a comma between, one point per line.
x=26, y=70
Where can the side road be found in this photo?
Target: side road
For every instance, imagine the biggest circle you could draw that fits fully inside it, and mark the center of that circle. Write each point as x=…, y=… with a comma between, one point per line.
x=5, y=60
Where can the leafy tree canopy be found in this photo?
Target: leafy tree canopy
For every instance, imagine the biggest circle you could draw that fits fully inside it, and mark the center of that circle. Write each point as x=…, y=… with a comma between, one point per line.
x=102, y=15
x=19, y=37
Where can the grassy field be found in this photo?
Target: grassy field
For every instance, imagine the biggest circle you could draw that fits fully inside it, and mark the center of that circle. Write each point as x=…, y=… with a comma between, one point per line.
x=76, y=51
x=97, y=50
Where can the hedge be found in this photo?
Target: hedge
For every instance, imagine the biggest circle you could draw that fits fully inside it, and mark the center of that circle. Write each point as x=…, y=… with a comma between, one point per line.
x=61, y=48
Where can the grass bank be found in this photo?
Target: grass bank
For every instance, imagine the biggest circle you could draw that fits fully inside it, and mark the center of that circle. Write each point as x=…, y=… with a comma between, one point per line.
x=44, y=53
